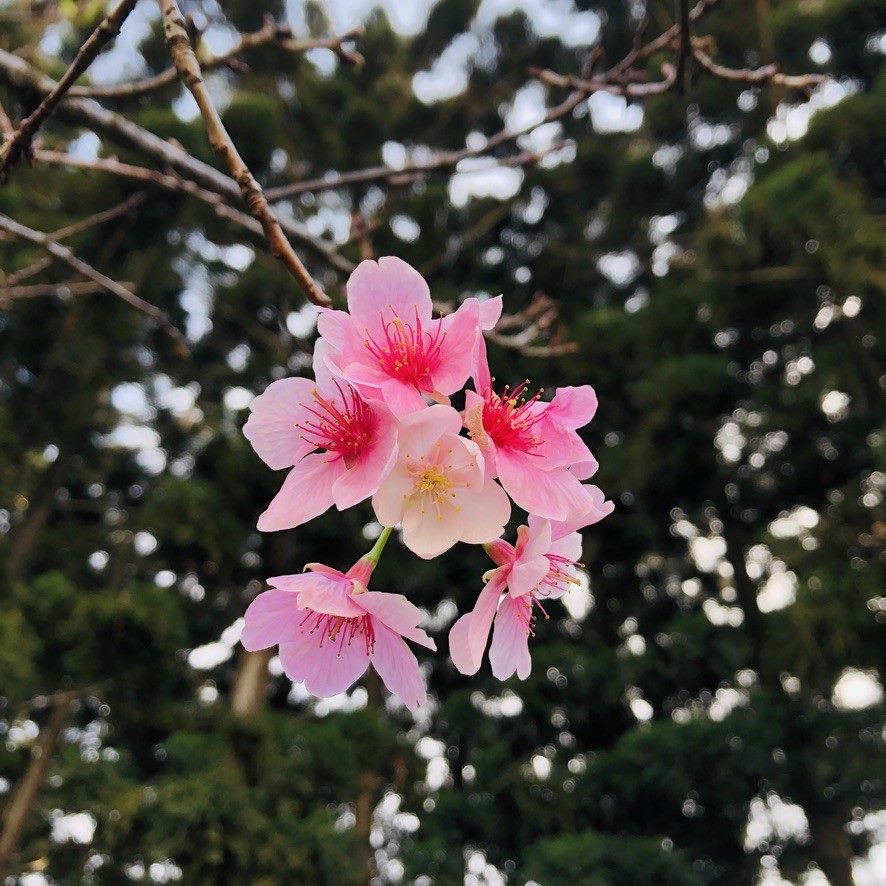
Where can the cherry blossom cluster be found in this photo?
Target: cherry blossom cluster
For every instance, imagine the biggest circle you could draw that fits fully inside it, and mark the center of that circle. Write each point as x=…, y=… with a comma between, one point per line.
x=376, y=423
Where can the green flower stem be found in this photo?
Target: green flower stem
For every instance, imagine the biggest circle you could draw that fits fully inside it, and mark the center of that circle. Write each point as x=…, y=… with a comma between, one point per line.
x=375, y=554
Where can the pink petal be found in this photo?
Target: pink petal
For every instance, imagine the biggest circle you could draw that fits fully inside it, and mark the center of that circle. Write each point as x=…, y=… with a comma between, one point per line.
x=467, y=639
x=473, y=421
x=584, y=470
x=325, y=670
x=379, y=291
x=271, y=427
x=460, y=331
x=480, y=368
x=490, y=312
x=555, y=494
x=569, y=547
x=398, y=668
x=338, y=330
x=329, y=595
x=484, y=512
x=533, y=540
x=509, y=650
x=429, y=528
x=402, y=398
x=419, y=432
x=306, y=493
x=272, y=617
x=527, y=574
x=390, y=498
x=397, y=613
x=364, y=477
x=597, y=508
x=574, y=407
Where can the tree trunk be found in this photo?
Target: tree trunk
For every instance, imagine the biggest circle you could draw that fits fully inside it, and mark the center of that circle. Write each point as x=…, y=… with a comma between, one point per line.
x=15, y=815
x=365, y=802
x=250, y=683
x=831, y=848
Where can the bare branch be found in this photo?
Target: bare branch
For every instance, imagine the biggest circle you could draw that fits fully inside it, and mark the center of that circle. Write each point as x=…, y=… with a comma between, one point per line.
x=271, y=32
x=443, y=160
x=684, y=51
x=126, y=207
x=586, y=87
x=754, y=76
x=20, y=141
x=63, y=254
x=188, y=67
x=61, y=290
x=22, y=76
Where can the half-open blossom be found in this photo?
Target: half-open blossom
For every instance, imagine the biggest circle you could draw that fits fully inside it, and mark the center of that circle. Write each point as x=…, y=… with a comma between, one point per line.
x=388, y=345
x=540, y=567
x=337, y=444
x=329, y=628
x=532, y=446
x=438, y=489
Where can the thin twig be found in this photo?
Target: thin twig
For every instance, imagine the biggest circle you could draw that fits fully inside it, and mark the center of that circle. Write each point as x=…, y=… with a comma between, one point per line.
x=86, y=112
x=443, y=160
x=271, y=32
x=765, y=74
x=586, y=87
x=684, y=49
x=20, y=141
x=62, y=290
x=63, y=254
x=85, y=224
x=185, y=61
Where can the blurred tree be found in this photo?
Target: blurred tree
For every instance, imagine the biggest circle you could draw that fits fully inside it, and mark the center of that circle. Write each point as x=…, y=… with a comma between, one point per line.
x=719, y=268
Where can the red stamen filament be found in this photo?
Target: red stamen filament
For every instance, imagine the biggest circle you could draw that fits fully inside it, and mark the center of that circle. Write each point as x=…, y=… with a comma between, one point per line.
x=338, y=628
x=408, y=352
x=344, y=428
x=509, y=420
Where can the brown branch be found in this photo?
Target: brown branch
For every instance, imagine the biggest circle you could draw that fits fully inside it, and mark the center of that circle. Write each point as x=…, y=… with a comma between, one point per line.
x=63, y=254
x=443, y=160
x=684, y=51
x=17, y=810
x=271, y=32
x=24, y=77
x=62, y=290
x=188, y=67
x=755, y=76
x=125, y=207
x=586, y=87
x=20, y=142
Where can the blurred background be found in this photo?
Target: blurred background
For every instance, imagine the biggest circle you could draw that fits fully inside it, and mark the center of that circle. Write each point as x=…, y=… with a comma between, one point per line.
x=707, y=708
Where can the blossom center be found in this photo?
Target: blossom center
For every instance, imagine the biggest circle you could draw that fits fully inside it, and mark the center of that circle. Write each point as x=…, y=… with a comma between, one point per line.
x=433, y=482
x=344, y=427
x=560, y=576
x=524, y=608
x=338, y=630
x=407, y=351
x=509, y=418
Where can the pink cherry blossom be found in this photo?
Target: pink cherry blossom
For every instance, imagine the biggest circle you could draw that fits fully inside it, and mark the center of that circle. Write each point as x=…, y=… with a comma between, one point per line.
x=329, y=628
x=540, y=567
x=533, y=446
x=438, y=489
x=337, y=444
x=387, y=344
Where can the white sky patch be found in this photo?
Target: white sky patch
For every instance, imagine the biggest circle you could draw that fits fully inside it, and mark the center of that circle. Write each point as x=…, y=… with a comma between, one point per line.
x=792, y=121
x=792, y=524
x=726, y=700
x=209, y=656
x=508, y=704
x=707, y=553
x=448, y=76
x=620, y=268
x=579, y=600
x=237, y=398
x=612, y=113
x=774, y=819
x=778, y=591
x=74, y=827
x=301, y=323
x=527, y=108
x=405, y=228
x=835, y=405
x=641, y=709
x=476, y=177
x=856, y=690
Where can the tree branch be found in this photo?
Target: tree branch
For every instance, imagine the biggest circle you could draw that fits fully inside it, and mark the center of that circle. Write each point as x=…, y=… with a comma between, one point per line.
x=188, y=67
x=20, y=142
x=684, y=51
x=63, y=254
x=271, y=32
x=765, y=74
x=24, y=77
